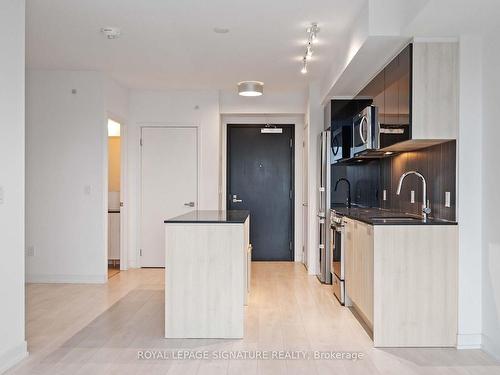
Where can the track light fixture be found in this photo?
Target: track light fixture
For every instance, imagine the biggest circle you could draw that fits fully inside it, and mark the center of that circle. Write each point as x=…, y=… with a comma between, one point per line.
x=312, y=35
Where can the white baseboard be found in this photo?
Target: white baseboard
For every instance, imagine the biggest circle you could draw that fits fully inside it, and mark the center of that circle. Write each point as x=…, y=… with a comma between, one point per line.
x=469, y=341
x=11, y=357
x=67, y=279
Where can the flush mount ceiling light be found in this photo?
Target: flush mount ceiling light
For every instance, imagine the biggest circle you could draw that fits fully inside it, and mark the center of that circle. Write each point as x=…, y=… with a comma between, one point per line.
x=111, y=32
x=312, y=35
x=250, y=88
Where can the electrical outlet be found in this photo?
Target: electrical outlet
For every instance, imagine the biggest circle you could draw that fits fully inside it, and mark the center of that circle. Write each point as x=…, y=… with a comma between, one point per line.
x=384, y=195
x=447, y=199
x=87, y=189
x=412, y=196
x=1, y=195
x=30, y=251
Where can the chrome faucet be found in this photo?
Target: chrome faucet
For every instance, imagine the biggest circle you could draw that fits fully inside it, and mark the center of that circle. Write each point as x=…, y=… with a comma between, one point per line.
x=426, y=210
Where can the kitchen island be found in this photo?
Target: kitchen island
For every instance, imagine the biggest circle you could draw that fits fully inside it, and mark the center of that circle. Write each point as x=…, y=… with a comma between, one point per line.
x=206, y=274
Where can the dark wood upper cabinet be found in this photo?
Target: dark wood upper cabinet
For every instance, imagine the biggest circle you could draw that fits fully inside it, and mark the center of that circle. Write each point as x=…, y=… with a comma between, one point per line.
x=374, y=91
x=404, y=101
x=390, y=90
x=390, y=113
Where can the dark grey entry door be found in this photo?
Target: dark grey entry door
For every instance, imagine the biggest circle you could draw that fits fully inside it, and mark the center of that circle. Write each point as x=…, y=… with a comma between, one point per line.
x=260, y=179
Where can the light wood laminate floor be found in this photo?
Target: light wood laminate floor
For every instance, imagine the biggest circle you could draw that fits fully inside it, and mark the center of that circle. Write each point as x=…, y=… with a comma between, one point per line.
x=99, y=329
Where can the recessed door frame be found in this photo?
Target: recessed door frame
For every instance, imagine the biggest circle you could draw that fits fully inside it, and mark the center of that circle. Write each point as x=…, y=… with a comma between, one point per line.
x=292, y=172
x=298, y=121
x=198, y=163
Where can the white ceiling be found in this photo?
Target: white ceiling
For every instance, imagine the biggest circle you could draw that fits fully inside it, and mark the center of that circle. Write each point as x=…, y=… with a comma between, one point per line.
x=456, y=17
x=171, y=43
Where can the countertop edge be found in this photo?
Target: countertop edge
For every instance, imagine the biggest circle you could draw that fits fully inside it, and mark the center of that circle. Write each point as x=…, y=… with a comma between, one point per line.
x=239, y=217
x=432, y=222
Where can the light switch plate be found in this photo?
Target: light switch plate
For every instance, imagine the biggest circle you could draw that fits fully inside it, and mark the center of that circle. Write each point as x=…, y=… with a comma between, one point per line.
x=412, y=196
x=87, y=189
x=1, y=195
x=384, y=195
x=447, y=199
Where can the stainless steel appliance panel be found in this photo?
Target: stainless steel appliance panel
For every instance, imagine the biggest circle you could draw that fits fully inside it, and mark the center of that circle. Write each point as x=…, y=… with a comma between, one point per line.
x=365, y=131
x=324, y=206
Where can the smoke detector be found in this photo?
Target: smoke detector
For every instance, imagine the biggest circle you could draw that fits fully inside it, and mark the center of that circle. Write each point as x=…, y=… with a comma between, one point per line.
x=111, y=32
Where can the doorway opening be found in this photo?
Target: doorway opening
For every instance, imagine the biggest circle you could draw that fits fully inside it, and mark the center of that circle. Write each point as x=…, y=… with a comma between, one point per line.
x=260, y=178
x=114, y=201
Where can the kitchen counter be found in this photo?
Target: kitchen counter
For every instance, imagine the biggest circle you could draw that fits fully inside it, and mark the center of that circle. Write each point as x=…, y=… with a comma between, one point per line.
x=211, y=216
x=389, y=269
x=379, y=216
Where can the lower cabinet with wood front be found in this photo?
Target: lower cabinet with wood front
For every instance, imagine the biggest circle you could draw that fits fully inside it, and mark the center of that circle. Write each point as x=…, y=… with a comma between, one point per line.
x=401, y=280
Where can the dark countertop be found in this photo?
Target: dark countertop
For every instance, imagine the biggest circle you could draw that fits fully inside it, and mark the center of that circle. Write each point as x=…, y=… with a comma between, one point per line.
x=379, y=216
x=221, y=217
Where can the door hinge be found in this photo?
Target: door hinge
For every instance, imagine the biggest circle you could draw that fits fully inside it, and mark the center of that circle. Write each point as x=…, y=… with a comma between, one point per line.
x=140, y=252
x=291, y=194
x=140, y=141
x=290, y=245
x=291, y=143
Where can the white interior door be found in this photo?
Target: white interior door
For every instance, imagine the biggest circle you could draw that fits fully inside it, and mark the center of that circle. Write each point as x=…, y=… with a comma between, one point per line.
x=169, y=185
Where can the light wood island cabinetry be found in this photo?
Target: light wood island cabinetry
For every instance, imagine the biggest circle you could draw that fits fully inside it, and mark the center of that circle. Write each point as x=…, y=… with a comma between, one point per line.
x=206, y=274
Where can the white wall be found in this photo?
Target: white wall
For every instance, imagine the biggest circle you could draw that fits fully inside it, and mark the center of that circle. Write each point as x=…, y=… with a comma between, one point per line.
x=117, y=99
x=490, y=195
x=469, y=186
x=175, y=107
x=315, y=122
x=12, y=342
x=66, y=177
x=269, y=103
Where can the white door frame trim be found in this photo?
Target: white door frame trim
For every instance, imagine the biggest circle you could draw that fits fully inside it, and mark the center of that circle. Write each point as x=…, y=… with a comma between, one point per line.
x=176, y=125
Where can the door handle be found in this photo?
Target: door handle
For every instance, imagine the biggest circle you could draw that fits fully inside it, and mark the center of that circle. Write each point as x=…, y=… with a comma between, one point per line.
x=189, y=204
x=236, y=200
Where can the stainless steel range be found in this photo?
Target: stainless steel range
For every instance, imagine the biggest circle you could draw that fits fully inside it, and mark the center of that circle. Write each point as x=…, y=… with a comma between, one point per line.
x=337, y=255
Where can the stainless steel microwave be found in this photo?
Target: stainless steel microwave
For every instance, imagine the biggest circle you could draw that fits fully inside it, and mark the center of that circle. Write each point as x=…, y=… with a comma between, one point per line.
x=365, y=127
x=370, y=136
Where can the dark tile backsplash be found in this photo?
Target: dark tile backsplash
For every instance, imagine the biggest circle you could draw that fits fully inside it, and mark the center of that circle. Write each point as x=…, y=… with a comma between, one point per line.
x=365, y=183
x=369, y=179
